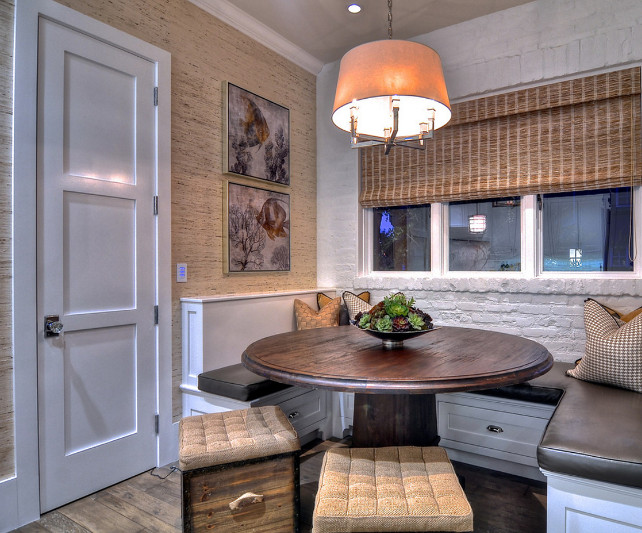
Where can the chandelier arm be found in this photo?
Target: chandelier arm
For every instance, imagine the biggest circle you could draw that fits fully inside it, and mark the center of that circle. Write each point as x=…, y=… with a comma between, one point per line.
x=395, y=128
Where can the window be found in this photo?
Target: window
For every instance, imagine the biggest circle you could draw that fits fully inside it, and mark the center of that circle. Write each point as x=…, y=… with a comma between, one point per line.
x=401, y=238
x=485, y=235
x=587, y=231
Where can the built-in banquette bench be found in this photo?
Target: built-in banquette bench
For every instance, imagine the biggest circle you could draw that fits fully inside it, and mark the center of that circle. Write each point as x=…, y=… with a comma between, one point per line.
x=590, y=450
x=216, y=330
x=585, y=438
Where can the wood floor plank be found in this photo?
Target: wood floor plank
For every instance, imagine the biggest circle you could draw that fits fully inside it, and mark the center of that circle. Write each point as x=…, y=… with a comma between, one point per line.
x=138, y=501
x=168, y=522
x=501, y=503
x=34, y=527
x=98, y=518
x=56, y=522
x=168, y=489
x=168, y=493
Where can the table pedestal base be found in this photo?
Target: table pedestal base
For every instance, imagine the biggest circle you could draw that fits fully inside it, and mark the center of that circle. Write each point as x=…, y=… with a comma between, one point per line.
x=394, y=420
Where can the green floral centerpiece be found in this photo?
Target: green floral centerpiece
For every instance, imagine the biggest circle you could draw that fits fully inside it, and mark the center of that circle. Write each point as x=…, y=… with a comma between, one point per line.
x=395, y=313
x=394, y=319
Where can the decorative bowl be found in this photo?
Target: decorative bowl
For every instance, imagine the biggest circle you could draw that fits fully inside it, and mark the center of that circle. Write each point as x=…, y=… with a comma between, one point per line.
x=394, y=339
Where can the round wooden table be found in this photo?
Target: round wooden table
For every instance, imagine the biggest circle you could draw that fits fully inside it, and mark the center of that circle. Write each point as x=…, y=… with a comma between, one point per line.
x=395, y=388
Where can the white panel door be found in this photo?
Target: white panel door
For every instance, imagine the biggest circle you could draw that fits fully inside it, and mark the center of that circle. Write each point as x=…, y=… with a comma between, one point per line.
x=96, y=264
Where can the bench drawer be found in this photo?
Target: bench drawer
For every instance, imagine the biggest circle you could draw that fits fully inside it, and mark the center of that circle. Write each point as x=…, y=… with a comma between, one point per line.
x=495, y=429
x=305, y=409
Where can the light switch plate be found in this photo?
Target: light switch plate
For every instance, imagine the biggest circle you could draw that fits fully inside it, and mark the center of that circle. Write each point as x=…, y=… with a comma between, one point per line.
x=181, y=272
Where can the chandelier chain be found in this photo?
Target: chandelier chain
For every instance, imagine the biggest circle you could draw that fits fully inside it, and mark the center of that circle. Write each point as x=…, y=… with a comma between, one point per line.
x=389, y=19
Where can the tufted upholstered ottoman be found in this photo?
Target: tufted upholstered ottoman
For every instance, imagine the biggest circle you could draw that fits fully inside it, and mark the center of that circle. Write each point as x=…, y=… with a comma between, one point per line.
x=390, y=489
x=240, y=471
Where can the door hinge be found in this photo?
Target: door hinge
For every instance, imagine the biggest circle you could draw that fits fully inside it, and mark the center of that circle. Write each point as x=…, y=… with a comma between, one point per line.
x=156, y=205
x=156, y=314
x=155, y=96
x=157, y=424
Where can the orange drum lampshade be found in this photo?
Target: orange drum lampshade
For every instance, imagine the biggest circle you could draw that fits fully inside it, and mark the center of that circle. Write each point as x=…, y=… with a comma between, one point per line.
x=371, y=74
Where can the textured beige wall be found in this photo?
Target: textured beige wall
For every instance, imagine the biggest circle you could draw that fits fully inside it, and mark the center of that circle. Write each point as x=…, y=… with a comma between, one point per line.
x=6, y=359
x=205, y=52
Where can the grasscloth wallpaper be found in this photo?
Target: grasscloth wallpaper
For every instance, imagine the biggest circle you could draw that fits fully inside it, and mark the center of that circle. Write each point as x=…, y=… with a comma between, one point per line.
x=6, y=359
x=205, y=52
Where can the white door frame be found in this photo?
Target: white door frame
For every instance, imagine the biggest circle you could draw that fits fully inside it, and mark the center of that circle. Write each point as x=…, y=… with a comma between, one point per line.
x=19, y=496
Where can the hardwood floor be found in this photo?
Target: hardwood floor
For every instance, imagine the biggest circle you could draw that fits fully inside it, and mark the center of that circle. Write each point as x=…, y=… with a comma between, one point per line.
x=151, y=501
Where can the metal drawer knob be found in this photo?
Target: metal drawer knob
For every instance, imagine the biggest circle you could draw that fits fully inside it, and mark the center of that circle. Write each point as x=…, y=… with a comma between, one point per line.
x=495, y=429
x=293, y=414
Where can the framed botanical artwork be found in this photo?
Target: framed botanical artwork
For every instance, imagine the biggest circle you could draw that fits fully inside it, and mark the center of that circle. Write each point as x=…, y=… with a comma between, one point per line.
x=256, y=236
x=257, y=136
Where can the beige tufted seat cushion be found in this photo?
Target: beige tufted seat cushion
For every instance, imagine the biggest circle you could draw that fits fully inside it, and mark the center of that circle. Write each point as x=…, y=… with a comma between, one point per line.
x=390, y=489
x=220, y=438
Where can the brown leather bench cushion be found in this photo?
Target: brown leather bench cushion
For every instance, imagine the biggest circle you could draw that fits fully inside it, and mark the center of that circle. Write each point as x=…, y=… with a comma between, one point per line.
x=595, y=432
x=237, y=382
x=526, y=392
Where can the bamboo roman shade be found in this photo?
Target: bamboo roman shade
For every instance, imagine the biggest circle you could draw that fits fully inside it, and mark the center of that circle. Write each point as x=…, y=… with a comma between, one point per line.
x=579, y=134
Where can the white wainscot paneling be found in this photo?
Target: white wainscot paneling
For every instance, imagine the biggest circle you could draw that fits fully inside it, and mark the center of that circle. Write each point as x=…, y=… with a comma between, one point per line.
x=577, y=505
x=217, y=330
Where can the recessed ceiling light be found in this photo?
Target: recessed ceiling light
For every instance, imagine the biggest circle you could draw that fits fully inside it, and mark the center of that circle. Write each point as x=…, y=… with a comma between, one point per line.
x=354, y=8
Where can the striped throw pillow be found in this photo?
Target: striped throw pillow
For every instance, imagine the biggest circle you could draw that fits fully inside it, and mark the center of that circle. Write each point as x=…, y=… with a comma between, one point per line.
x=613, y=353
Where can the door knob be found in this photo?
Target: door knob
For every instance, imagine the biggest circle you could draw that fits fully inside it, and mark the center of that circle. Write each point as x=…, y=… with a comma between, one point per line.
x=53, y=326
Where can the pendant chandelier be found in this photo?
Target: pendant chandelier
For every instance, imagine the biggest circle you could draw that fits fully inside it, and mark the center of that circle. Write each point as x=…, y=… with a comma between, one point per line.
x=391, y=92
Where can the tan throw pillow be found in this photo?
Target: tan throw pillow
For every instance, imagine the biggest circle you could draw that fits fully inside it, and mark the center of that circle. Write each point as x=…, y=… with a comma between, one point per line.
x=308, y=318
x=619, y=317
x=323, y=300
x=613, y=353
x=357, y=303
x=630, y=316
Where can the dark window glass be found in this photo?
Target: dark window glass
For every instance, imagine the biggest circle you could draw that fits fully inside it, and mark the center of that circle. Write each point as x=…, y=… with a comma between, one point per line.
x=587, y=231
x=485, y=235
x=402, y=238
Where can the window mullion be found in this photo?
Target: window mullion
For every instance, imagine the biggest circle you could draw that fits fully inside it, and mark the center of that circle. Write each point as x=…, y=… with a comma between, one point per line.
x=531, y=236
x=438, y=228
x=636, y=197
x=365, y=248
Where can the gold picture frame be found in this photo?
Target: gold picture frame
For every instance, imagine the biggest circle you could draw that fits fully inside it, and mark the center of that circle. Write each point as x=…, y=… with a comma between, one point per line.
x=256, y=229
x=256, y=136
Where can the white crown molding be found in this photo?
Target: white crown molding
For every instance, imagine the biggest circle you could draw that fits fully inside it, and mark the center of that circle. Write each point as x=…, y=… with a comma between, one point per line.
x=258, y=31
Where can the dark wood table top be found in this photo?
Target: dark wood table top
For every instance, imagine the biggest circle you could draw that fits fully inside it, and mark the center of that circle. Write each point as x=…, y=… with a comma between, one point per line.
x=448, y=359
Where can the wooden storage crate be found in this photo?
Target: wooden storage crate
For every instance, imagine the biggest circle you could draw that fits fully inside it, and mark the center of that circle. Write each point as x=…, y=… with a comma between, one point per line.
x=226, y=456
x=207, y=493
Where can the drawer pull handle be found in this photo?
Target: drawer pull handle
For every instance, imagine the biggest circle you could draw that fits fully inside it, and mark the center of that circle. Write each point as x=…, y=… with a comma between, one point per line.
x=293, y=414
x=246, y=499
x=495, y=429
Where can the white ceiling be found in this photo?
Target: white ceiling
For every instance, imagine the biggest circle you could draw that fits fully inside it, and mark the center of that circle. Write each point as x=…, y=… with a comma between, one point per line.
x=315, y=32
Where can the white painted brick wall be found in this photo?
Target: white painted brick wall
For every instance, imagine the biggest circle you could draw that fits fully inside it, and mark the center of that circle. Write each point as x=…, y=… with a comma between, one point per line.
x=535, y=43
x=548, y=313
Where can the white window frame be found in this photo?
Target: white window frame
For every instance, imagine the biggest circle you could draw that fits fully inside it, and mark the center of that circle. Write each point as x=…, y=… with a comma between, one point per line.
x=531, y=247
x=637, y=263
